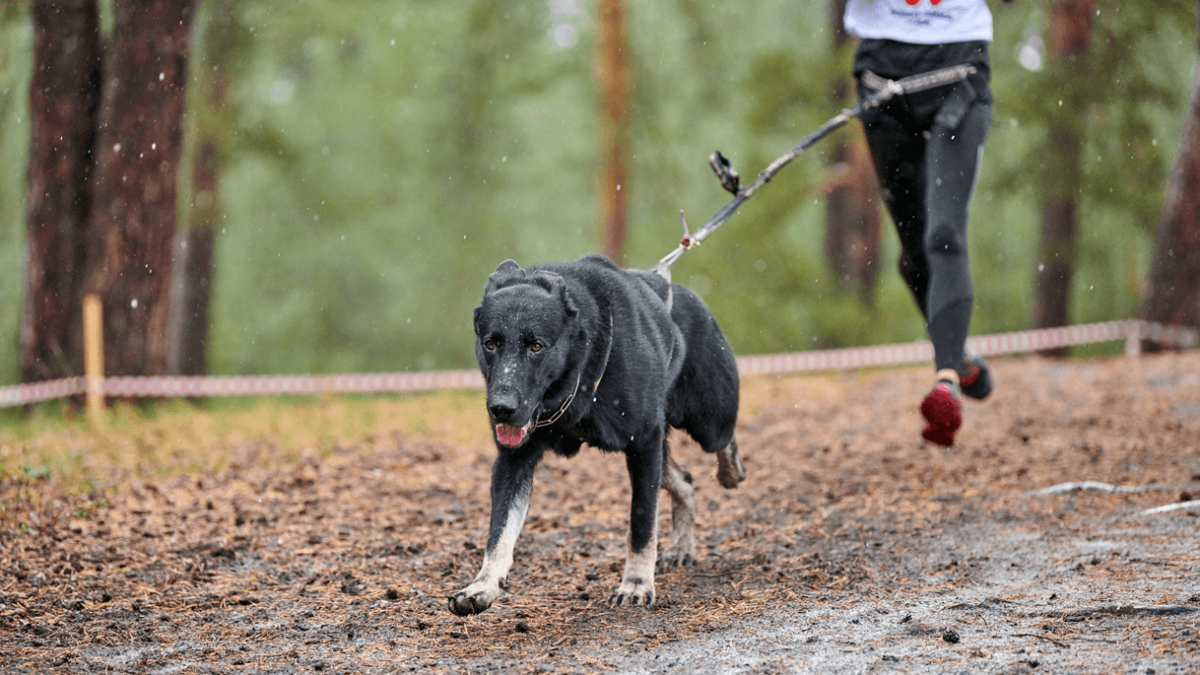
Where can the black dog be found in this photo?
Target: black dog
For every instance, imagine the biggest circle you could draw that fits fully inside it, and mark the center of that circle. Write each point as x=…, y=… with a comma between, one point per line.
x=586, y=352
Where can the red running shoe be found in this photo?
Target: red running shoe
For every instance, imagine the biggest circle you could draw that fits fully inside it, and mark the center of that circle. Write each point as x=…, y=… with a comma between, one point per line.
x=942, y=409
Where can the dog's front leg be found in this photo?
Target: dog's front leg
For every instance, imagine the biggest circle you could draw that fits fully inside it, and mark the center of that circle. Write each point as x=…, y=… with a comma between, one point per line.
x=512, y=486
x=644, y=462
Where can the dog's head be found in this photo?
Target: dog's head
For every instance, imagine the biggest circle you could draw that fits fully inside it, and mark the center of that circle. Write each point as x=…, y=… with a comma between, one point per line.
x=523, y=332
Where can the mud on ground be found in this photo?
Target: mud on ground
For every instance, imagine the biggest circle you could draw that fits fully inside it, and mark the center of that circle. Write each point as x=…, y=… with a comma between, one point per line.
x=852, y=547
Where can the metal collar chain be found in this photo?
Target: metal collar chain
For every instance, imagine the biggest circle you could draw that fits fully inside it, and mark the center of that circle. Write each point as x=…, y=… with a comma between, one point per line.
x=603, y=367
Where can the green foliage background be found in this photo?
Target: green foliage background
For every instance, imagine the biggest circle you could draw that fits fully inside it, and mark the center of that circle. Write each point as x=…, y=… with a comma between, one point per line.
x=383, y=156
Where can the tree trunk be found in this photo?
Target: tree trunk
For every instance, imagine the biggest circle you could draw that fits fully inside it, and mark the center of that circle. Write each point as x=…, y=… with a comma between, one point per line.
x=852, y=220
x=852, y=197
x=1070, y=35
x=63, y=99
x=614, y=131
x=215, y=43
x=191, y=268
x=191, y=291
x=1173, y=288
x=1056, y=259
x=133, y=220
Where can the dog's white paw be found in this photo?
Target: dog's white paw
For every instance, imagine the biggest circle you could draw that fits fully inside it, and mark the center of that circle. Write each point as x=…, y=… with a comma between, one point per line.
x=473, y=599
x=633, y=591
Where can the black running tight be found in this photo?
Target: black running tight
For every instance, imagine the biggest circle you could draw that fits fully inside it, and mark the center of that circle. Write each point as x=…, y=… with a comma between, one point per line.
x=928, y=173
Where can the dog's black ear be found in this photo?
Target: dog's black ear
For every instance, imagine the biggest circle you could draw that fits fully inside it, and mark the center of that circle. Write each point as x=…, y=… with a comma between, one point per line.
x=548, y=281
x=505, y=269
x=475, y=321
x=504, y=275
x=568, y=303
x=554, y=284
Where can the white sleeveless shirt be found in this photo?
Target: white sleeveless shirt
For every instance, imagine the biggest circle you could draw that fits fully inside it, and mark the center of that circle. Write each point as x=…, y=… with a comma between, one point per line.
x=919, y=21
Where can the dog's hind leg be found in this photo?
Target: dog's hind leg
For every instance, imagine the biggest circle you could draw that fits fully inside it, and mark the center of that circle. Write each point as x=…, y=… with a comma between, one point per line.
x=644, y=462
x=681, y=552
x=730, y=470
x=512, y=486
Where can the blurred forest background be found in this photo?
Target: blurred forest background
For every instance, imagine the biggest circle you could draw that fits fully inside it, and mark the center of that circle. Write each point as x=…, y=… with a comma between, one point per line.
x=358, y=169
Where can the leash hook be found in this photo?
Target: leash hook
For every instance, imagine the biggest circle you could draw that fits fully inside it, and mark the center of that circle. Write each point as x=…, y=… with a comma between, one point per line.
x=688, y=243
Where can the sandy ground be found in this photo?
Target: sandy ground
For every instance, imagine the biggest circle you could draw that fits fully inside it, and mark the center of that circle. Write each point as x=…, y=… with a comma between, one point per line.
x=853, y=547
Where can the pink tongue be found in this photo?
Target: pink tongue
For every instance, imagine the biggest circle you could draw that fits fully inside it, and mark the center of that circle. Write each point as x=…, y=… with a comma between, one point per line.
x=510, y=435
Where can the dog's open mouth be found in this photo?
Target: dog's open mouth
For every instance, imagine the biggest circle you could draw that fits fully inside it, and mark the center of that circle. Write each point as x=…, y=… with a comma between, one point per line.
x=512, y=436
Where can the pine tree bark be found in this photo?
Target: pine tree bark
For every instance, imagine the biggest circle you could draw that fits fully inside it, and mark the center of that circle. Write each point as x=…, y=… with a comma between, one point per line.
x=852, y=217
x=1173, y=287
x=63, y=99
x=192, y=266
x=614, y=129
x=1070, y=36
x=133, y=219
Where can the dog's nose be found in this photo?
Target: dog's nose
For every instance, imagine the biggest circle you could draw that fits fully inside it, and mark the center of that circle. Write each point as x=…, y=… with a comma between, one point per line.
x=502, y=410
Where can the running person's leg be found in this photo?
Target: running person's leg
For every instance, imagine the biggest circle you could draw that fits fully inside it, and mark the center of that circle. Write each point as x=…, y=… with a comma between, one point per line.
x=898, y=151
x=952, y=162
x=927, y=187
x=952, y=159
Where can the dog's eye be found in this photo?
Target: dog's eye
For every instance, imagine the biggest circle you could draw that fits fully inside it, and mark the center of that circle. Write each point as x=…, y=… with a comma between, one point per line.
x=489, y=345
x=535, y=347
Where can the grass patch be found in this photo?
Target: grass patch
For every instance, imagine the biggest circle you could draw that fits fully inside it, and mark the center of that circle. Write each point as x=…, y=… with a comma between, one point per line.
x=54, y=443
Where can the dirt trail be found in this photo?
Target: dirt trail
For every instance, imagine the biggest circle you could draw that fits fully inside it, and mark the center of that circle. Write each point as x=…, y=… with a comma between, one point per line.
x=852, y=547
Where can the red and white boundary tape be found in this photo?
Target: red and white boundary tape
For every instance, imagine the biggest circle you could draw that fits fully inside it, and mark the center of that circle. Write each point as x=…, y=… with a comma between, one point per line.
x=768, y=364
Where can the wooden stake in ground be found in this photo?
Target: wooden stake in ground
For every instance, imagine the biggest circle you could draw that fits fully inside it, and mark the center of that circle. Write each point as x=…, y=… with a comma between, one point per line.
x=93, y=357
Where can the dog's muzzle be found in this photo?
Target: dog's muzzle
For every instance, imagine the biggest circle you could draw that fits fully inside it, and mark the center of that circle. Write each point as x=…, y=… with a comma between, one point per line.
x=502, y=411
